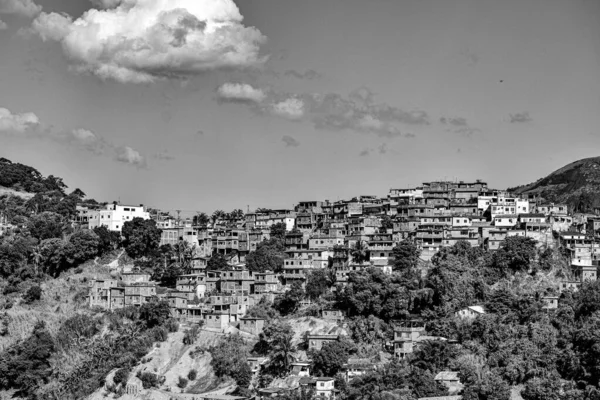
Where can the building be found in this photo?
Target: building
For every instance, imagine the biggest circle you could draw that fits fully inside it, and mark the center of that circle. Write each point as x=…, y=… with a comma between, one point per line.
x=451, y=380
x=325, y=388
x=470, y=312
x=113, y=216
x=357, y=367
x=333, y=315
x=252, y=325
x=406, y=334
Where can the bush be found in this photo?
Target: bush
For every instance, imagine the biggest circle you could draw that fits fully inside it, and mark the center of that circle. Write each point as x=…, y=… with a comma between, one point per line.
x=172, y=325
x=192, y=375
x=190, y=335
x=182, y=383
x=33, y=293
x=160, y=333
x=121, y=376
x=149, y=380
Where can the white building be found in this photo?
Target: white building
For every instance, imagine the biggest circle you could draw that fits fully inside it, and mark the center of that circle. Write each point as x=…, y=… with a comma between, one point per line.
x=115, y=215
x=470, y=312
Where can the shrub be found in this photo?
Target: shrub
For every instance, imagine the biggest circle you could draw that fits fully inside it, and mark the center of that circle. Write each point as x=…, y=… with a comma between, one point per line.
x=121, y=376
x=172, y=325
x=149, y=380
x=192, y=375
x=160, y=333
x=182, y=383
x=190, y=335
x=33, y=293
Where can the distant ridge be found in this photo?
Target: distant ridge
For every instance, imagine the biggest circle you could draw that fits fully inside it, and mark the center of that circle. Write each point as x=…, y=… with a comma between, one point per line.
x=576, y=184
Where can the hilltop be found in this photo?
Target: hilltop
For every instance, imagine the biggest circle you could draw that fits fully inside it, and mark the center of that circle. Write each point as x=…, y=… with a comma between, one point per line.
x=576, y=184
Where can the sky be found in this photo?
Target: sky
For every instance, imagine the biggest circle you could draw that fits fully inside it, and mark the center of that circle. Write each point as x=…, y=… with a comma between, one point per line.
x=200, y=105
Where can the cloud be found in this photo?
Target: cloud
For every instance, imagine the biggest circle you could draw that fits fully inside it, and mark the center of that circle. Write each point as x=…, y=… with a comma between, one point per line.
x=141, y=41
x=52, y=26
x=106, y=4
x=309, y=74
x=330, y=111
x=127, y=155
x=454, y=121
x=290, y=108
x=458, y=125
x=164, y=155
x=520, y=118
x=200, y=132
x=290, y=141
x=28, y=125
x=240, y=92
x=25, y=8
x=3, y=25
x=17, y=123
x=364, y=152
x=87, y=140
x=382, y=149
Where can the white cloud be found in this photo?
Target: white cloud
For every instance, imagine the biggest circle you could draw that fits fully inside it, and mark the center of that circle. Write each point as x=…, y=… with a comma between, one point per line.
x=291, y=108
x=52, y=26
x=130, y=156
x=3, y=25
x=26, y=8
x=20, y=123
x=240, y=92
x=87, y=140
x=144, y=40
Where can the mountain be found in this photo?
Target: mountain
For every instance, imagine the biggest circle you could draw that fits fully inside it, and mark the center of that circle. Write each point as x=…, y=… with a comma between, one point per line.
x=576, y=184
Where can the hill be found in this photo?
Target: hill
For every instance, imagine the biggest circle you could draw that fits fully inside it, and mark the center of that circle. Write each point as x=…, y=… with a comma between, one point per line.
x=576, y=184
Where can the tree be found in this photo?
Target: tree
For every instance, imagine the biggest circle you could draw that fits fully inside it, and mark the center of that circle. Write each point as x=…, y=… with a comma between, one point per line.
x=52, y=256
x=217, y=262
x=26, y=365
x=46, y=225
x=359, y=252
x=331, y=358
x=515, y=254
x=278, y=231
x=33, y=293
x=318, y=283
x=229, y=358
x=490, y=387
x=276, y=341
x=405, y=256
x=107, y=240
x=269, y=256
x=155, y=312
x=141, y=237
x=82, y=246
x=201, y=219
x=217, y=215
x=433, y=355
x=289, y=301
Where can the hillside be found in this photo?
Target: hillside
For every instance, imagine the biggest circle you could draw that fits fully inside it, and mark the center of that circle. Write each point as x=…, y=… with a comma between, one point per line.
x=576, y=184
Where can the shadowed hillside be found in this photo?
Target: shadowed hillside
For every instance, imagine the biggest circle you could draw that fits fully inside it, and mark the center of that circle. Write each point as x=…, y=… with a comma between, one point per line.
x=577, y=184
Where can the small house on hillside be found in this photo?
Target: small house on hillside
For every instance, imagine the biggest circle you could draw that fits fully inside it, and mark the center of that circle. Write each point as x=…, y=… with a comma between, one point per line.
x=470, y=312
x=450, y=380
x=316, y=342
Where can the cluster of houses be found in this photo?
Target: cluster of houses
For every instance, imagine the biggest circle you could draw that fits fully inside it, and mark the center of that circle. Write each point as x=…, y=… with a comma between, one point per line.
x=319, y=234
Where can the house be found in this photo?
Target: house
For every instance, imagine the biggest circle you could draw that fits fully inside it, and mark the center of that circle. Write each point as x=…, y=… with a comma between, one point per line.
x=325, y=388
x=301, y=368
x=470, y=312
x=357, y=367
x=316, y=342
x=256, y=363
x=216, y=320
x=405, y=334
x=113, y=216
x=252, y=325
x=333, y=315
x=550, y=302
x=451, y=380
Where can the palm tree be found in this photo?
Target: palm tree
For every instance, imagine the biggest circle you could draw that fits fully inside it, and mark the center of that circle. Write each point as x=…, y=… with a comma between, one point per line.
x=360, y=252
x=37, y=257
x=282, y=354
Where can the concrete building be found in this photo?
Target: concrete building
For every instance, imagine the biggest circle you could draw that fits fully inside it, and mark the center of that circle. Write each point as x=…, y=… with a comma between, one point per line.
x=113, y=216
